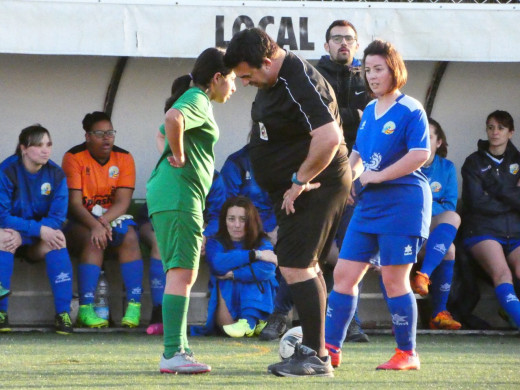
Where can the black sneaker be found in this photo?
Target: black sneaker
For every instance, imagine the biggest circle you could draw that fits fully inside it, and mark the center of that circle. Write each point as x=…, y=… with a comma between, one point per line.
x=304, y=362
x=355, y=333
x=4, y=322
x=275, y=328
x=63, y=323
x=156, y=315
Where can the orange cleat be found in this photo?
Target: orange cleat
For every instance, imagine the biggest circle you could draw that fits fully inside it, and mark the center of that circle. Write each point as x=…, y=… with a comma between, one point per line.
x=420, y=284
x=335, y=354
x=402, y=360
x=445, y=321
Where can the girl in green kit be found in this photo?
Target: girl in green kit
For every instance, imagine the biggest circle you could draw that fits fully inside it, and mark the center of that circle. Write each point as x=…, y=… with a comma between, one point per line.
x=176, y=193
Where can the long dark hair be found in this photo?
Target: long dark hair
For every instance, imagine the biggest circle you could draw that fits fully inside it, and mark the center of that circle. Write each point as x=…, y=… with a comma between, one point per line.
x=439, y=132
x=254, y=229
x=209, y=62
x=31, y=136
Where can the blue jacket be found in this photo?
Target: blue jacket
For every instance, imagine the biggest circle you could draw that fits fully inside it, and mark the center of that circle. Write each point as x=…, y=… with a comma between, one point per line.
x=30, y=201
x=442, y=177
x=244, y=290
x=238, y=177
x=214, y=202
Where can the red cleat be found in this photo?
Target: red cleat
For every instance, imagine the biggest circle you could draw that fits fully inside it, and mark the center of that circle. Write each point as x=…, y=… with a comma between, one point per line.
x=420, y=284
x=335, y=354
x=402, y=360
x=444, y=320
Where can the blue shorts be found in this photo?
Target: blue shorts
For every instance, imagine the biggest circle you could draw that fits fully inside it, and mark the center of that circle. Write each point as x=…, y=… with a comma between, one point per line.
x=393, y=249
x=508, y=244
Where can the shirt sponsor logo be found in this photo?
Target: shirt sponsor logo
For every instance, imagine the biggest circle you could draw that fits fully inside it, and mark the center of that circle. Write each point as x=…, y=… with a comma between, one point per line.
x=408, y=250
x=46, y=189
x=436, y=187
x=263, y=131
x=388, y=128
x=398, y=320
x=373, y=164
x=513, y=169
x=113, y=172
x=440, y=248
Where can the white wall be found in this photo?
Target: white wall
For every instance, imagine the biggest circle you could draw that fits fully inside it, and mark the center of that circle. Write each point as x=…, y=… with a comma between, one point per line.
x=57, y=91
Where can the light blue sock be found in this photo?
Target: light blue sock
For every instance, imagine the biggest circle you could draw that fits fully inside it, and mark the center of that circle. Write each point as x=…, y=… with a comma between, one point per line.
x=88, y=275
x=340, y=311
x=157, y=281
x=404, y=319
x=437, y=245
x=441, y=286
x=6, y=272
x=132, y=274
x=509, y=301
x=59, y=272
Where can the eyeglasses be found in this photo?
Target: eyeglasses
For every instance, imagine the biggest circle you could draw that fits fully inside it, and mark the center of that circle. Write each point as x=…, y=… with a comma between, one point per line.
x=102, y=133
x=339, y=39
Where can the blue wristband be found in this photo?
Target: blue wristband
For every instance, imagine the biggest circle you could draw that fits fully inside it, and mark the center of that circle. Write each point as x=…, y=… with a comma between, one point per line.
x=295, y=180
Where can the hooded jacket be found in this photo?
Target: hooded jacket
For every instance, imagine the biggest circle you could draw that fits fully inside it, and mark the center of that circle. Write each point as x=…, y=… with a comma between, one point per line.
x=350, y=90
x=490, y=195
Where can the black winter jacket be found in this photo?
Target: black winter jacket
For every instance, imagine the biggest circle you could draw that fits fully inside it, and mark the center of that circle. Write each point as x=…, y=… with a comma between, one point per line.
x=350, y=91
x=490, y=195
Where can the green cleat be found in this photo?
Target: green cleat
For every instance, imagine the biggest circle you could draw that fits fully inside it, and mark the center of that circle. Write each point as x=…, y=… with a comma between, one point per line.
x=4, y=292
x=63, y=323
x=4, y=322
x=240, y=328
x=132, y=315
x=87, y=318
x=260, y=327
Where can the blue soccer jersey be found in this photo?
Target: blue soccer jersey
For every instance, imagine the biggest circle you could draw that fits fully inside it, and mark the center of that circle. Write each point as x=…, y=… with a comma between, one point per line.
x=442, y=176
x=401, y=206
x=29, y=201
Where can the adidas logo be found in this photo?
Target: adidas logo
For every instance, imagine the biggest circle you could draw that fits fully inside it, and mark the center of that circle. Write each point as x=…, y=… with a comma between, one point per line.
x=440, y=248
x=63, y=277
x=408, y=250
x=511, y=298
x=445, y=287
x=398, y=320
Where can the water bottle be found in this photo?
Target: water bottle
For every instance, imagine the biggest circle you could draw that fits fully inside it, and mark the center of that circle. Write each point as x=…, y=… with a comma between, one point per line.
x=101, y=297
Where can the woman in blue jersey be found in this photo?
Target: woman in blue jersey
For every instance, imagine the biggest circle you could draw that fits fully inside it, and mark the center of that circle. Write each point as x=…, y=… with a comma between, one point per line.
x=394, y=210
x=33, y=208
x=176, y=194
x=242, y=264
x=438, y=254
x=491, y=209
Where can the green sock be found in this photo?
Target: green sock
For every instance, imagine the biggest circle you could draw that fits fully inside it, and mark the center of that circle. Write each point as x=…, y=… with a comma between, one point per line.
x=175, y=318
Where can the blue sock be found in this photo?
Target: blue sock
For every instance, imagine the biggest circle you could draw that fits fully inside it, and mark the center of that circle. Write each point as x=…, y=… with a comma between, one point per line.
x=340, y=311
x=252, y=315
x=88, y=275
x=437, y=245
x=132, y=273
x=59, y=272
x=509, y=301
x=157, y=281
x=6, y=272
x=441, y=286
x=383, y=291
x=404, y=319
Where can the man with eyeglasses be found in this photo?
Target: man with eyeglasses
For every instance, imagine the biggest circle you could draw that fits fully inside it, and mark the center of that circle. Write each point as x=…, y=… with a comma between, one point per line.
x=101, y=181
x=343, y=72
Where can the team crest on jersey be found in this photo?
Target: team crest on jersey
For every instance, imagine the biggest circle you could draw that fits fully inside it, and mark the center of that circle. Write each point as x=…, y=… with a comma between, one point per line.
x=388, y=128
x=436, y=186
x=263, y=131
x=46, y=189
x=113, y=172
x=513, y=169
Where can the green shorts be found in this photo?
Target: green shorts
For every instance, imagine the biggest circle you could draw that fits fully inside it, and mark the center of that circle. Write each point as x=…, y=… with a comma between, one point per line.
x=179, y=236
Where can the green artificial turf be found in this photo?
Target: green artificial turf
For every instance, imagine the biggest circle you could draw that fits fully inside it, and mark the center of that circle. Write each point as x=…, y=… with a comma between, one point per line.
x=130, y=361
